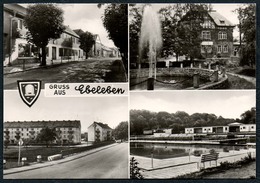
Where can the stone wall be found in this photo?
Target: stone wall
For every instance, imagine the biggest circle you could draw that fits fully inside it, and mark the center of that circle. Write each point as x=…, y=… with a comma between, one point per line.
x=205, y=74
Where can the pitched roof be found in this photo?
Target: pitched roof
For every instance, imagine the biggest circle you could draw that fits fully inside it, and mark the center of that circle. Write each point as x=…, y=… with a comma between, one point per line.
x=42, y=124
x=102, y=125
x=78, y=31
x=219, y=19
x=70, y=31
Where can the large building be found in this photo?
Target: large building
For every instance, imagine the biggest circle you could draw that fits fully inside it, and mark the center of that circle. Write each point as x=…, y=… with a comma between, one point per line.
x=16, y=47
x=217, y=36
x=67, y=131
x=98, y=132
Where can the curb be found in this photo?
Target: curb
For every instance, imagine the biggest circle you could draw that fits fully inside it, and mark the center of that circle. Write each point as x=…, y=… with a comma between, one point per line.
x=57, y=163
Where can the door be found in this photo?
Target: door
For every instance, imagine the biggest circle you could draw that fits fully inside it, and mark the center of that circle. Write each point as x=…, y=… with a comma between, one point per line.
x=54, y=53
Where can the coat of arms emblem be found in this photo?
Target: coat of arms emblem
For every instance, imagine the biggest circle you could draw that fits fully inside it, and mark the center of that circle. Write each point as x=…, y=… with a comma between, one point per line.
x=29, y=91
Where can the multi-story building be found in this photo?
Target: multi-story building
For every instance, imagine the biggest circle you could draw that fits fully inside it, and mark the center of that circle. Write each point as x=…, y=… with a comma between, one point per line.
x=99, y=132
x=66, y=131
x=16, y=47
x=66, y=47
x=217, y=36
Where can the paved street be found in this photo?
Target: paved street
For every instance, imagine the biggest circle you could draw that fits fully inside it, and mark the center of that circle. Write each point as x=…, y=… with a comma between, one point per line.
x=110, y=162
x=91, y=70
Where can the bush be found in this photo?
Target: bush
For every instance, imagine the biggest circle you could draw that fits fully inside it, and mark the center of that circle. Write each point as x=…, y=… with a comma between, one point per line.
x=134, y=170
x=225, y=149
x=212, y=151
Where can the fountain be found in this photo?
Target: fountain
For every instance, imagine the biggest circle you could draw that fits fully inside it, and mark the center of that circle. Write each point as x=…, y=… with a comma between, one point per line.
x=150, y=38
x=171, y=77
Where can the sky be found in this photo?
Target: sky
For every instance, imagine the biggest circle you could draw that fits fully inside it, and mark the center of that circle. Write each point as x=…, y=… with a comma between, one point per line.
x=109, y=110
x=225, y=103
x=86, y=17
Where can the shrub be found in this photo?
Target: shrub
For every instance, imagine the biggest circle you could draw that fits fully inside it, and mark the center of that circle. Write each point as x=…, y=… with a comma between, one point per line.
x=212, y=151
x=225, y=149
x=134, y=170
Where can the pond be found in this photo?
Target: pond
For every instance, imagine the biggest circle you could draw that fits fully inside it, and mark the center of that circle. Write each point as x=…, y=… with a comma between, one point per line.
x=164, y=83
x=163, y=151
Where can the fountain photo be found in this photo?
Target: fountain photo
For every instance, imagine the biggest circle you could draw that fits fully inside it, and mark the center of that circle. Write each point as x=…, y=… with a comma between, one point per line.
x=192, y=46
x=193, y=135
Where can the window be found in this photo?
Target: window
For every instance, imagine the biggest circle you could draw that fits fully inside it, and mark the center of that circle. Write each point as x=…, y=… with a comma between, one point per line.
x=20, y=24
x=252, y=127
x=222, y=21
x=206, y=49
x=225, y=49
x=244, y=127
x=222, y=35
x=219, y=49
x=206, y=35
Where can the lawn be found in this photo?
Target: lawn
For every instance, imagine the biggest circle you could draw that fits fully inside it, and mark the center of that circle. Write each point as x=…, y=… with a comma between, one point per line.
x=239, y=83
x=11, y=153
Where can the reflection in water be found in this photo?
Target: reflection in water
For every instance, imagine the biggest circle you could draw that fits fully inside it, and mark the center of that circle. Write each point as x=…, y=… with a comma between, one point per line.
x=163, y=151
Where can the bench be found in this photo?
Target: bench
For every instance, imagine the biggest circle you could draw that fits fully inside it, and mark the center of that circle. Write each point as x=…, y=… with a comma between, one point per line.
x=55, y=157
x=209, y=157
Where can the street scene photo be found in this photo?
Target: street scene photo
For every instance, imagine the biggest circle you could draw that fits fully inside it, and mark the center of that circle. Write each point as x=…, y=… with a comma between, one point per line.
x=192, y=46
x=65, y=138
x=65, y=43
x=193, y=135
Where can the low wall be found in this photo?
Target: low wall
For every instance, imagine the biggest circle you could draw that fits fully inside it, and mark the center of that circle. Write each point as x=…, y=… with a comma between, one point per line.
x=27, y=60
x=144, y=72
x=205, y=74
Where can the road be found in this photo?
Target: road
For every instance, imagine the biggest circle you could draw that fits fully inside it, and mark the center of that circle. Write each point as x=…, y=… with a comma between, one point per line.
x=94, y=70
x=111, y=162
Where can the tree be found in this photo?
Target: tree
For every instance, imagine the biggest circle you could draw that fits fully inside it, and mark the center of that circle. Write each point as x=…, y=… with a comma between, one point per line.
x=115, y=20
x=7, y=138
x=47, y=135
x=44, y=22
x=86, y=42
x=181, y=29
x=249, y=116
x=134, y=170
x=135, y=21
x=247, y=28
x=121, y=131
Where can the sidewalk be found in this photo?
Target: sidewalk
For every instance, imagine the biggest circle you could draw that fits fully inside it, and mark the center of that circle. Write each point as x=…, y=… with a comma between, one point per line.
x=173, y=167
x=35, y=165
x=30, y=66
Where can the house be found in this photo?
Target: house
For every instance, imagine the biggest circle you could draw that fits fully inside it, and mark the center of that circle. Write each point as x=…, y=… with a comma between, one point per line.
x=14, y=40
x=65, y=47
x=217, y=36
x=232, y=127
x=98, y=131
x=16, y=47
x=66, y=130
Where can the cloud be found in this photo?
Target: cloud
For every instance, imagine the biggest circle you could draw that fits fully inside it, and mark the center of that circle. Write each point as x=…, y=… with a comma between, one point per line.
x=230, y=104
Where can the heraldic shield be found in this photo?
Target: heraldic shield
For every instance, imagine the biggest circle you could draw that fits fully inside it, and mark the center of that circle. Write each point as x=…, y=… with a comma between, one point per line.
x=29, y=91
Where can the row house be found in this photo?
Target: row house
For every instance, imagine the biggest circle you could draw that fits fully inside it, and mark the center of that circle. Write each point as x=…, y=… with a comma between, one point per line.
x=98, y=132
x=16, y=47
x=66, y=47
x=217, y=36
x=232, y=127
x=67, y=131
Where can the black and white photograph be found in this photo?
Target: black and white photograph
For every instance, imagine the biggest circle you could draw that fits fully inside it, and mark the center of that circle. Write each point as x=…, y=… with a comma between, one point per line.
x=65, y=138
x=193, y=135
x=192, y=46
x=120, y=91
x=65, y=43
